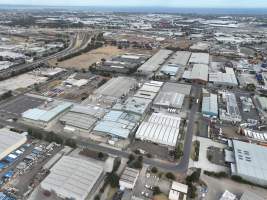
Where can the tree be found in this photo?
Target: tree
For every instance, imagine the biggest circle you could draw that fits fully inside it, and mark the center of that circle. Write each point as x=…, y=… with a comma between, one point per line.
x=170, y=175
x=100, y=155
x=70, y=142
x=251, y=87
x=131, y=157
x=154, y=170
x=156, y=190
x=114, y=180
x=97, y=197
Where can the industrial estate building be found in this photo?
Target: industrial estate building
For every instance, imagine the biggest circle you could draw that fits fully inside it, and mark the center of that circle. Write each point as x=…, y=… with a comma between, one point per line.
x=154, y=63
x=44, y=115
x=178, y=191
x=10, y=141
x=231, y=113
x=224, y=79
x=199, y=58
x=210, y=105
x=117, y=124
x=72, y=178
x=113, y=90
x=161, y=129
x=250, y=161
x=128, y=178
x=82, y=118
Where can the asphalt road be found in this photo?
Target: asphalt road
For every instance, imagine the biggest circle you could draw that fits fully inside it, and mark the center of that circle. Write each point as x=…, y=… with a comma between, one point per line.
x=180, y=167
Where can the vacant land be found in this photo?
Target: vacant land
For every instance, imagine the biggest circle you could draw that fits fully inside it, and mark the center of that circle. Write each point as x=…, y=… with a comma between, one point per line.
x=85, y=60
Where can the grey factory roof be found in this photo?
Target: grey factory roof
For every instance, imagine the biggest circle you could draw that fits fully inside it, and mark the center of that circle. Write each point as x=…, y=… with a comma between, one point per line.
x=176, y=88
x=228, y=78
x=232, y=107
x=169, y=99
x=117, y=124
x=134, y=105
x=251, y=161
x=199, y=58
x=155, y=61
x=223, y=79
x=72, y=178
x=129, y=175
x=169, y=69
x=150, y=87
x=247, y=195
x=160, y=128
x=210, y=105
x=180, y=58
x=116, y=87
x=10, y=141
x=145, y=94
x=200, y=72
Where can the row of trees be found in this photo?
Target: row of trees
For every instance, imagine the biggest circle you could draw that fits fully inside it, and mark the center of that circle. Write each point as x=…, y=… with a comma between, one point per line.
x=52, y=137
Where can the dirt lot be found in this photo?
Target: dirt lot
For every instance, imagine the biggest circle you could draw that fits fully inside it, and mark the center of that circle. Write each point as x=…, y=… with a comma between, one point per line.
x=85, y=60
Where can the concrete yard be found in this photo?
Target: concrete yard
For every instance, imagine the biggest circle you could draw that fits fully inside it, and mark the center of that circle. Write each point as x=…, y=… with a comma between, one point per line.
x=21, y=81
x=203, y=161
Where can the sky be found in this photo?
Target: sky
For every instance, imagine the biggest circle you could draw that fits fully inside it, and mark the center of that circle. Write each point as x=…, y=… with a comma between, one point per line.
x=141, y=3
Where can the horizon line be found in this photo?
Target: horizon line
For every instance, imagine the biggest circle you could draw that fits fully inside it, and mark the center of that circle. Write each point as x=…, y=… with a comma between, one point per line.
x=141, y=6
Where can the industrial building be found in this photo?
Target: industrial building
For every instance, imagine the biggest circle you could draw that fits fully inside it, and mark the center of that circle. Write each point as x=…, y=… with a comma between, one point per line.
x=117, y=124
x=199, y=74
x=134, y=105
x=176, y=88
x=149, y=90
x=178, y=191
x=210, y=105
x=125, y=64
x=161, y=129
x=228, y=196
x=247, y=195
x=231, y=113
x=224, y=79
x=262, y=102
x=169, y=70
x=72, y=178
x=154, y=63
x=128, y=178
x=250, y=161
x=113, y=90
x=10, y=141
x=199, y=58
x=44, y=115
x=180, y=58
x=82, y=118
x=166, y=100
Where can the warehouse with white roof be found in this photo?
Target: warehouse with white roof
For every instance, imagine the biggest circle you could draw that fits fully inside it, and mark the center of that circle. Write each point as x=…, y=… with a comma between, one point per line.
x=250, y=161
x=72, y=178
x=224, y=79
x=199, y=58
x=10, y=141
x=160, y=128
x=154, y=63
x=210, y=105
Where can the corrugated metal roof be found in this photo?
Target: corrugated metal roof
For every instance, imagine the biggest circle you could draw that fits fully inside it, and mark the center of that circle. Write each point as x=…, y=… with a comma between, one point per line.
x=72, y=177
x=37, y=114
x=200, y=72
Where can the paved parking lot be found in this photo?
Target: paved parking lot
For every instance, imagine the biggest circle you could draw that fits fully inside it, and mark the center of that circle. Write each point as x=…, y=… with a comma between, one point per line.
x=17, y=106
x=203, y=161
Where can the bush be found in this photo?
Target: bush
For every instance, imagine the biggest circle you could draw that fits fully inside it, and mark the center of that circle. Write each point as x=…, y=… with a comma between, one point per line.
x=156, y=190
x=216, y=174
x=97, y=197
x=170, y=175
x=137, y=151
x=154, y=170
x=194, y=177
